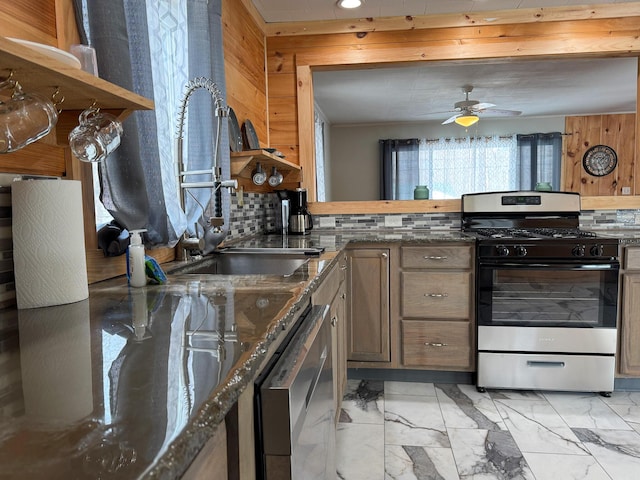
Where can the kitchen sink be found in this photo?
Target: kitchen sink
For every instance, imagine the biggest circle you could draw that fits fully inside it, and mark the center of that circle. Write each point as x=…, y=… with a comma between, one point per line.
x=251, y=261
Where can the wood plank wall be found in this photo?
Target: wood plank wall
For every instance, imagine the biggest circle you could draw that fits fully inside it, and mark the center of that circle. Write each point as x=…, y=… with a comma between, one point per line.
x=33, y=20
x=244, y=55
x=584, y=132
x=287, y=56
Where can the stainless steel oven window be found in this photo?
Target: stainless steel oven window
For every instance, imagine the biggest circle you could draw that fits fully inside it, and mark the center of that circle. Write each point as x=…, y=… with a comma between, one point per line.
x=552, y=295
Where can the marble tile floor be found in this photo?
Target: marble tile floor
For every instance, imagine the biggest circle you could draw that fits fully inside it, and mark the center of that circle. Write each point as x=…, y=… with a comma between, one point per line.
x=405, y=431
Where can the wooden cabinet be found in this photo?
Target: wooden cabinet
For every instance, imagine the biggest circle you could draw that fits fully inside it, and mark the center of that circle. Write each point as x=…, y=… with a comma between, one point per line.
x=629, y=361
x=211, y=462
x=368, y=332
x=332, y=292
x=437, y=327
x=436, y=344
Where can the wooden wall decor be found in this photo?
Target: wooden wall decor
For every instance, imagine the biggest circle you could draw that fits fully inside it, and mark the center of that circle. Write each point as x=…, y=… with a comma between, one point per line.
x=615, y=131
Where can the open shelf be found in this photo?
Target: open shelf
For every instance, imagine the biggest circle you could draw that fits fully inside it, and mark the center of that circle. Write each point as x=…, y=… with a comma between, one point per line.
x=39, y=73
x=243, y=163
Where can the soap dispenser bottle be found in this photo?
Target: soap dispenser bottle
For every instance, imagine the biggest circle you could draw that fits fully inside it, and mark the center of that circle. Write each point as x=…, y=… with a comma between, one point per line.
x=135, y=260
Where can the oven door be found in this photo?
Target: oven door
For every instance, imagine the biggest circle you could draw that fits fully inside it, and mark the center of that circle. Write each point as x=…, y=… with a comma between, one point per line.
x=547, y=294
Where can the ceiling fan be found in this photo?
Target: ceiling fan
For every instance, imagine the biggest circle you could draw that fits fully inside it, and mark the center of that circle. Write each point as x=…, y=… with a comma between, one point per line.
x=468, y=110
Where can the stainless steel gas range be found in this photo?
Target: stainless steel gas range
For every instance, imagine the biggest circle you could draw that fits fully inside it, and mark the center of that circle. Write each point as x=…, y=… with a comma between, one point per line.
x=546, y=293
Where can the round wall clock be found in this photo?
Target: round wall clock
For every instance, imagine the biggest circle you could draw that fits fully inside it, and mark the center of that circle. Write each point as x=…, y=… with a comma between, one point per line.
x=600, y=160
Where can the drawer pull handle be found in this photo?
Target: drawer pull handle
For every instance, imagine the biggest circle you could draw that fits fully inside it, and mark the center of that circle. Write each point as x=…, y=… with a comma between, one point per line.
x=434, y=257
x=334, y=321
x=436, y=295
x=533, y=363
x=432, y=344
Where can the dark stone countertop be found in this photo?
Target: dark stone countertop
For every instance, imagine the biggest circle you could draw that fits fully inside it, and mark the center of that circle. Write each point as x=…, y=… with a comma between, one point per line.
x=132, y=382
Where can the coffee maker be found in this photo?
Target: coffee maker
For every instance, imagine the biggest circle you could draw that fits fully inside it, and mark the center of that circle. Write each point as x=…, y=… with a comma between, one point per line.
x=300, y=221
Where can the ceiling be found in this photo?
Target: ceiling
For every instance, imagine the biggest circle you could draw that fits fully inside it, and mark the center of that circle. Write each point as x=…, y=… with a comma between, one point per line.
x=427, y=92
x=307, y=10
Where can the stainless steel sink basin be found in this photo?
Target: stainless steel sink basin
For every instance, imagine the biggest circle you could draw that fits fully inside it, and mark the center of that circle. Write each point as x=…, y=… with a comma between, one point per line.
x=251, y=261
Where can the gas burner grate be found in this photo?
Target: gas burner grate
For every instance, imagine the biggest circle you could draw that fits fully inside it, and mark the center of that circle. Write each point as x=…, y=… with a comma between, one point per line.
x=562, y=233
x=534, y=233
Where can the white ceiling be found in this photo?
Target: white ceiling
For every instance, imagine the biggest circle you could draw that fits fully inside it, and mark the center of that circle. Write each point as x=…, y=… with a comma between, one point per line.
x=413, y=94
x=305, y=10
x=428, y=92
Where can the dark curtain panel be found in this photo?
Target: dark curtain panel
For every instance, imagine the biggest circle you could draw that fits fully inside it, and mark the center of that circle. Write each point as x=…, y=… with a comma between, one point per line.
x=540, y=157
x=129, y=181
x=400, y=168
x=131, y=178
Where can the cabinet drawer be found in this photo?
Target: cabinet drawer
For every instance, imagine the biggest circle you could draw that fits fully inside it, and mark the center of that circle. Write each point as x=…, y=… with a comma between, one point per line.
x=632, y=258
x=450, y=256
x=436, y=344
x=435, y=294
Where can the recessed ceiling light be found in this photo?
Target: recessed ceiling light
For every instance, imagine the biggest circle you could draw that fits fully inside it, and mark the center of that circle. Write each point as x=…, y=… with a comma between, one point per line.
x=349, y=3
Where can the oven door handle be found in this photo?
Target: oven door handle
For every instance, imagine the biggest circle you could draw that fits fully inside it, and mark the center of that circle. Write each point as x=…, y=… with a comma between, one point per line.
x=610, y=265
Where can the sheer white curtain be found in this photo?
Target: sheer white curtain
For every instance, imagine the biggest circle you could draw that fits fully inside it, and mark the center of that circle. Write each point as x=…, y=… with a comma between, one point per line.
x=320, y=158
x=452, y=167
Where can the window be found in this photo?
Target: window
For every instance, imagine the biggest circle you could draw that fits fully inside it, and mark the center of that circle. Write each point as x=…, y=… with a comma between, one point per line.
x=453, y=167
x=540, y=154
x=154, y=48
x=320, y=157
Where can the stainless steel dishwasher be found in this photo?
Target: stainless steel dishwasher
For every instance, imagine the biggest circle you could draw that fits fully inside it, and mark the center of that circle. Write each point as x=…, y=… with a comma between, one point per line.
x=295, y=430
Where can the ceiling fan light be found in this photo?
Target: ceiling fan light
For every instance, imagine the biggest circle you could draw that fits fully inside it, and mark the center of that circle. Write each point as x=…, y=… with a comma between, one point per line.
x=467, y=120
x=349, y=3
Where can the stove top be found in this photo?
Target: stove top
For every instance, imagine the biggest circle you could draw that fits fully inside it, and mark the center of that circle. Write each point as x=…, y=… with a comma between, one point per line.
x=544, y=243
x=519, y=224
x=532, y=233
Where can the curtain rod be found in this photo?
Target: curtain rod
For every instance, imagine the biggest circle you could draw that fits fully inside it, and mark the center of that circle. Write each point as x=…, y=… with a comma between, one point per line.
x=483, y=136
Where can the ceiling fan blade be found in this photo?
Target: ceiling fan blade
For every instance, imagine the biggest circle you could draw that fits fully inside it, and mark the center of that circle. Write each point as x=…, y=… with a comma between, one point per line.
x=436, y=113
x=482, y=106
x=451, y=119
x=504, y=113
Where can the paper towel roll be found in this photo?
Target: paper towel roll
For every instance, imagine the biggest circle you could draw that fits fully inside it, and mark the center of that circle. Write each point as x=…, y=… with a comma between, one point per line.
x=48, y=243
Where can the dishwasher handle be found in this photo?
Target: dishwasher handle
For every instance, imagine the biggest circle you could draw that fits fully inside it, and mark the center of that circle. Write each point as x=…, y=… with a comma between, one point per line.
x=318, y=372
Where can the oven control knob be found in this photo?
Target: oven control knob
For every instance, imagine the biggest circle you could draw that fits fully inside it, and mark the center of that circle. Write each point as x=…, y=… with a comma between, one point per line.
x=521, y=251
x=597, y=250
x=578, y=251
x=502, y=251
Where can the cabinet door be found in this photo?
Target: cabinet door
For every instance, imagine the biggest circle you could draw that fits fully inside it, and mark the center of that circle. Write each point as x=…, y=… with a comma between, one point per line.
x=339, y=347
x=630, y=325
x=368, y=312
